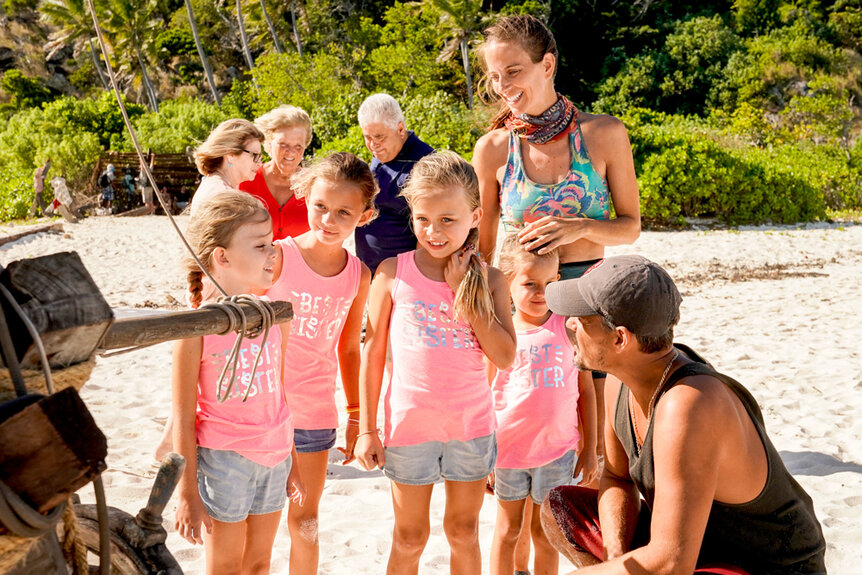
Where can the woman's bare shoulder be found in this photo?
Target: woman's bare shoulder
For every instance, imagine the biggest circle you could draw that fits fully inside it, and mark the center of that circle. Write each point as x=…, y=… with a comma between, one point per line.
x=492, y=147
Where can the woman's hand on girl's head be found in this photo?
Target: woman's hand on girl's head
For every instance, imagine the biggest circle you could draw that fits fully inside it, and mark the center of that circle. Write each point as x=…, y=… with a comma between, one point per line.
x=551, y=232
x=369, y=451
x=191, y=518
x=457, y=266
x=349, y=441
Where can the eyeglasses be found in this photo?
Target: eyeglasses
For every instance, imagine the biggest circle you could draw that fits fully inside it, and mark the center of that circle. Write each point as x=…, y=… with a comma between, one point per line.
x=255, y=156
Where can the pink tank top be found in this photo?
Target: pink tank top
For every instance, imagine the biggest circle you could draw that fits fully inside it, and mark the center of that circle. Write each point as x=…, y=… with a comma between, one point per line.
x=536, y=399
x=439, y=388
x=259, y=429
x=320, y=308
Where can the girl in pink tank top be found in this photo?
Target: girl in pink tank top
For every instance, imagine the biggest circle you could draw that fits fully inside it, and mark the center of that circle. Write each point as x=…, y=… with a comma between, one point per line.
x=444, y=314
x=544, y=412
x=237, y=438
x=328, y=287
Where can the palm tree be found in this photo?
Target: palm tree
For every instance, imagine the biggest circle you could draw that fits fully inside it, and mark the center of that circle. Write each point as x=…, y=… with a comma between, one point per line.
x=76, y=26
x=278, y=47
x=463, y=19
x=295, y=29
x=207, y=69
x=130, y=22
x=243, y=36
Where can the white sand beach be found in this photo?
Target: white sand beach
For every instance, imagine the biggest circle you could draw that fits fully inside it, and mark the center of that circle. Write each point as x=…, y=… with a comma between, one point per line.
x=778, y=308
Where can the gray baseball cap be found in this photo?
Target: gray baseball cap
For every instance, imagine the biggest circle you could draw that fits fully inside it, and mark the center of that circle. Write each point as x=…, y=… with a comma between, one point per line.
x=630, y=291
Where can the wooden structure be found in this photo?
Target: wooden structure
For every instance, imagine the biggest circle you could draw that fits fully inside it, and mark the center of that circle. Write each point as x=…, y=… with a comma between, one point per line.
x=175, y=174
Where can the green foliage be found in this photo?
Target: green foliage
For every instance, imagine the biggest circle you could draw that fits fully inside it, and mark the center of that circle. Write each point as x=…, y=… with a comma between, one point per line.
x=753, y=17
x=686, y=169
x=443, y=122
x=177, y=124
x=26, y=92
x=16, y=193
x=845, y=22
x=175, y=42
x=100, y=117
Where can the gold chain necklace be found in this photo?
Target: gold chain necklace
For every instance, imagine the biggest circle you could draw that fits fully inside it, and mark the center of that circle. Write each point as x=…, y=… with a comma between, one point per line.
x=651, y=399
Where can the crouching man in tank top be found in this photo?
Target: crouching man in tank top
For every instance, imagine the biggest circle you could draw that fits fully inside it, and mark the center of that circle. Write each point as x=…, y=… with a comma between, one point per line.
x=688, y=440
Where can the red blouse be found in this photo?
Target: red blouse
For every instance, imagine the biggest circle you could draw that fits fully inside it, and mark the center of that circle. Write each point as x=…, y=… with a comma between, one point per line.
x=291, y=219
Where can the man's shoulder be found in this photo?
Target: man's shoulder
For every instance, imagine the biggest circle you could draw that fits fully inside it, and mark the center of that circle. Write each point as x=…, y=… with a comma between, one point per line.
x=414, y=148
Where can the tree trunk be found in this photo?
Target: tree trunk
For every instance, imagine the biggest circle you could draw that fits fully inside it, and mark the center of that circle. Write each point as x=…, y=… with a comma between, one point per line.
x=295, y=29
x=96, y=64
x=275, y=41
x=242, y=35
x=207, y=69
x=148, y=86
x=465, y=58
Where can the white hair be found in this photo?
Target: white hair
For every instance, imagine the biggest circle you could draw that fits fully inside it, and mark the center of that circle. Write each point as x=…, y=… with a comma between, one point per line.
x=381, y=108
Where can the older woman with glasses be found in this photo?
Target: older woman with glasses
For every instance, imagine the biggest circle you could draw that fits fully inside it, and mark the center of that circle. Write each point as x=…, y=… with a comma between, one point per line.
x=287, y=133
x=228, y=157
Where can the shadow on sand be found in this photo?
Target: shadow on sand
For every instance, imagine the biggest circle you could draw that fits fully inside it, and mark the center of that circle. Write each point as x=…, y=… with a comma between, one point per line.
x=816, y=464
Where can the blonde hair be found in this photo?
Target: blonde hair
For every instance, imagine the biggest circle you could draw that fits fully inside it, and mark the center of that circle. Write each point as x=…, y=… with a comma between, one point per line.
x=285, y=116
x=529, y=33
x=447, y=170
x=229, y=137
x=513, y=254
x=214, y=226
x=338, y=167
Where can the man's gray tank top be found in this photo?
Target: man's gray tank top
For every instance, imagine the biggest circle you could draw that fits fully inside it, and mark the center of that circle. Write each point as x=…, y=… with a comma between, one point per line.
x=775, y=533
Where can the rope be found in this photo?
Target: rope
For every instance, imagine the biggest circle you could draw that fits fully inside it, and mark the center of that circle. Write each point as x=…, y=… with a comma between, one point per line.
x=21, y=519
x=144, y=165
x=34, y=333
x=237, y=321
x=74, y=549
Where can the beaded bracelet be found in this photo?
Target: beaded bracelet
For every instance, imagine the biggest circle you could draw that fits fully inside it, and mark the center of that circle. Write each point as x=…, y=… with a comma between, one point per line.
x=352, y=408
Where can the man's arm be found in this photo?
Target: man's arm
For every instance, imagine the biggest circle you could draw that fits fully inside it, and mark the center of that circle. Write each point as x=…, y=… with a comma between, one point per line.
x=619, y=500
x=688, y=452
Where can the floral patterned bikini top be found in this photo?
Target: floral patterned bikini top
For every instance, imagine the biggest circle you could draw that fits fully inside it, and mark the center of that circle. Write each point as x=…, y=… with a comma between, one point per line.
x=583, y=193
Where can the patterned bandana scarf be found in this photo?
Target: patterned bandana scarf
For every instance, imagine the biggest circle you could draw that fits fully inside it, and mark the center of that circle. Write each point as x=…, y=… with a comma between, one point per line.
x=554, y=123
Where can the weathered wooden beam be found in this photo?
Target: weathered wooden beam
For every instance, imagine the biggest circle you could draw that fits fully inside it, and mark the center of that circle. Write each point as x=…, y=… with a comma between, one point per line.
x=64, y=304
x=52, y=227
x=50, y=449
x=167, y=326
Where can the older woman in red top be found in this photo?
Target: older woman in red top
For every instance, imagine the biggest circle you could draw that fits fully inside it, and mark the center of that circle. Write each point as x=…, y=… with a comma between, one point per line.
x=287, y=132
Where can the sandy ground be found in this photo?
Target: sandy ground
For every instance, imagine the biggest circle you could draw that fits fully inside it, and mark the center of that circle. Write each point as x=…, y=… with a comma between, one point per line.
x=778, y=308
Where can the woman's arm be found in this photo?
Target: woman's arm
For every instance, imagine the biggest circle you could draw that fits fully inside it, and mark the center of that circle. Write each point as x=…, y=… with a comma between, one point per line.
x=349, y=358
x=186, y=368
x=489, y=156
x=369, y=448
x=608, y=142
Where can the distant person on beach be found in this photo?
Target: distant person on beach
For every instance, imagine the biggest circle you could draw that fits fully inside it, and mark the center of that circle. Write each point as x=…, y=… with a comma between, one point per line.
x=287, y=133
x=328, y=287
x=396, y=150
x=688, y=440
x=146, y=188
x=129, y=188
x=237, y=439
x=547, y=170
x=445, y=314
x=39, y=175
x=106, y=184
x=538, y=402
x=229, y=156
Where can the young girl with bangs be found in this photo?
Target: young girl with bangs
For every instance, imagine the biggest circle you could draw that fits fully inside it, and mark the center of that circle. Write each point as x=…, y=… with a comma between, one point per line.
x=328, y=288
x=444, y=313
x=237, y=439
x=544, y=412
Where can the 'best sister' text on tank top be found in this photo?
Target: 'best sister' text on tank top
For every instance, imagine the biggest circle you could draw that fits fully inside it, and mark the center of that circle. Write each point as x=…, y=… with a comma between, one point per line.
x=583, y=193
x=320, y=308
x=439, y=389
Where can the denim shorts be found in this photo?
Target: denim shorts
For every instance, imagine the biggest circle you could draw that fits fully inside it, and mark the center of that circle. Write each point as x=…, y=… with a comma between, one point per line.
x=537, y=482
x=233, y=487
x=313, y=440
x=426, y=463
